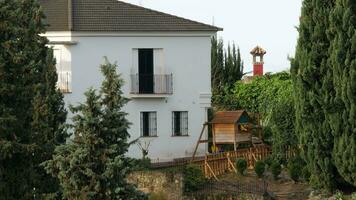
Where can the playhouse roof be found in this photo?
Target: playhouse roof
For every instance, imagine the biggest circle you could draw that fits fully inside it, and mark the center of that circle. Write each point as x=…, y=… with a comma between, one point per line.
x=227, y=117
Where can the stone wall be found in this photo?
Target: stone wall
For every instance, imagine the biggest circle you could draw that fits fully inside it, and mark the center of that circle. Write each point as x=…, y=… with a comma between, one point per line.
x=169, y=185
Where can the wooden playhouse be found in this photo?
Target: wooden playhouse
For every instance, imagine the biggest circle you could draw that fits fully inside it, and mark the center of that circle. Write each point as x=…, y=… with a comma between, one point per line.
x=231, y=127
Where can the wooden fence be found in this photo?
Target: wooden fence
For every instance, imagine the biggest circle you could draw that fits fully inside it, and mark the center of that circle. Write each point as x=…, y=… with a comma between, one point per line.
x=217, y=164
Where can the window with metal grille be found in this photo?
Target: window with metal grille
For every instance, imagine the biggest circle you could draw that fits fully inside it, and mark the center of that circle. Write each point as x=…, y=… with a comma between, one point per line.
x=148, y=124
x=180, y=123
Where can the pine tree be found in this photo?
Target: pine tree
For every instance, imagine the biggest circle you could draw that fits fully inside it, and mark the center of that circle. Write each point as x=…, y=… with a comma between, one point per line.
x=94, y=165
x=342, y=115
x=312, y=80
x=31, y=109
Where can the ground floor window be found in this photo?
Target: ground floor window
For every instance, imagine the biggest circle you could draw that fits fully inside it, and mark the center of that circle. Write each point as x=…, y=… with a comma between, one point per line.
x=148, y=124
x=180, y=123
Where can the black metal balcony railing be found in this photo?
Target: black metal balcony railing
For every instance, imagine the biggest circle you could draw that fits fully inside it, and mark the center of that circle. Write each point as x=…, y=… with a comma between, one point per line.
x=152, y=84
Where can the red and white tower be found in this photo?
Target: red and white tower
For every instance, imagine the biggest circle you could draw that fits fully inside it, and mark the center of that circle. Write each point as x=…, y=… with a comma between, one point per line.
x=258, y=54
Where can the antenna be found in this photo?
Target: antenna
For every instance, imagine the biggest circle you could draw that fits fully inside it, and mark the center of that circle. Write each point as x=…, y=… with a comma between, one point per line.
x=140, y=2
x=213, y=21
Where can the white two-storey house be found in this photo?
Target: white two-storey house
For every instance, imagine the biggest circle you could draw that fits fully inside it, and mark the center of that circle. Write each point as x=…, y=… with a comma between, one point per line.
x=164, y=60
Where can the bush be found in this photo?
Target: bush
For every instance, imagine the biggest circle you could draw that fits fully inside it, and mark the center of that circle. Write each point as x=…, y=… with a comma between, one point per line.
x=141, y=164
x=241, y=165
x=268, y=161
x=193, y=178
x=260, y=168
x=276, y=169
x=306, y=173
x=294, y=171
x=295, y=166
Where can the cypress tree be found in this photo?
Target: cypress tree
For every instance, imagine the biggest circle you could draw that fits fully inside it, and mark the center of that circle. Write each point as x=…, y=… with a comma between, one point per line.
x=233, y=66
x=217, y=64
x=342, y=115
x=312, y=80
x=94, y=165
x=31, y=108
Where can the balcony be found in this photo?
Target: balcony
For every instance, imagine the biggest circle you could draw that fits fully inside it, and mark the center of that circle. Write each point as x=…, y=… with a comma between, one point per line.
x=151, y=85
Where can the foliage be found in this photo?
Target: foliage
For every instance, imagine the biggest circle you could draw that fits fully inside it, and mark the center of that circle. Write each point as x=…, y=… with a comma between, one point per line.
x=194, y=178
x=260, y=168
x=341, y=112
x=305, y=173
x=241, y=165
x=324, y=77
x=268, y=161
x=93, y=165
x=276, y=169
x=295, y=168
x=294, y=171
x=339, y=196
x=141, y=164
x=272, y=97
x=31, y=108
x=226, y=69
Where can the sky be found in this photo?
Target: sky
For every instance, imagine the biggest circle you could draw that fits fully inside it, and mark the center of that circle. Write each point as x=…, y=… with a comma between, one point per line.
x=268, y=23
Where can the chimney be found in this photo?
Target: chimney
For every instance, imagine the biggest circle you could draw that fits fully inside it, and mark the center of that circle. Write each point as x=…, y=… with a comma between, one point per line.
x=258, y=54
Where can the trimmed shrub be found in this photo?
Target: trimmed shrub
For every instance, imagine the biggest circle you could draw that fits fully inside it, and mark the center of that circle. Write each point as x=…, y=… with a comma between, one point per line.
x=193, y=178
x=294, y=171
x=276, y=169
x=241, y=165
x=268, y=161
x=295, y=166
x=306, y=174
x=260, y=168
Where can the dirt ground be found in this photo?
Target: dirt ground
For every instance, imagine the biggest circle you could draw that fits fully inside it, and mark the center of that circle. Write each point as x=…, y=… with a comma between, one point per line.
x=284, y=188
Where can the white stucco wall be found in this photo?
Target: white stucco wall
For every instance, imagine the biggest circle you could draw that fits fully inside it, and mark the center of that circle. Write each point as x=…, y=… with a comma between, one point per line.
x=185, y=55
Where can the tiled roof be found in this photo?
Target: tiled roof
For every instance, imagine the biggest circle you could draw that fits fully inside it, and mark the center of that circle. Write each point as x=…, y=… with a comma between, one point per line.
x=113, y=16
x=258, y=51
x=57, y=14
x=227, y=117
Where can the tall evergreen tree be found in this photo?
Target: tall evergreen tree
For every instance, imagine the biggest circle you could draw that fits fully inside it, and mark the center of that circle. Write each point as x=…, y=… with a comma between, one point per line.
x=226, y=69
x=233, y=66
x=94, y=165
x=342, y=115
x=31, y=108
x=312, y=80
x=217, y=64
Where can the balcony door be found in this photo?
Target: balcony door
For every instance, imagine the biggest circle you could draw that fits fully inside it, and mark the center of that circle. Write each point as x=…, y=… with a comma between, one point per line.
x=145, y=71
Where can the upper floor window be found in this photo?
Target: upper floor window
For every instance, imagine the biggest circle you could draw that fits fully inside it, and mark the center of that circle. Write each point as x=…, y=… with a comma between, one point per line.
x=148, y=124
x=180, y=123
x=63, y=71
